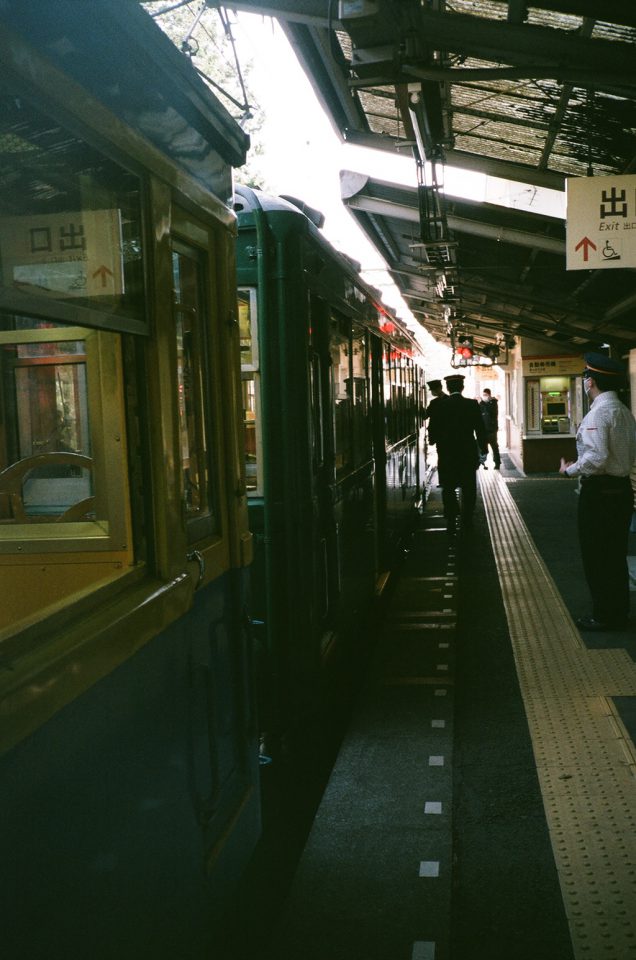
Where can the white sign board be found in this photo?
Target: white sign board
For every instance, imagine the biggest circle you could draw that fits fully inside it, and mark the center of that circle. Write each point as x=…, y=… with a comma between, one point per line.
x=69, y=254
x=601, y=222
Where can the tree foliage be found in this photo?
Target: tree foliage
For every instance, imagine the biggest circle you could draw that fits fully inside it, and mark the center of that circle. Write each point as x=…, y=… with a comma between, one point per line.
x=203, y=33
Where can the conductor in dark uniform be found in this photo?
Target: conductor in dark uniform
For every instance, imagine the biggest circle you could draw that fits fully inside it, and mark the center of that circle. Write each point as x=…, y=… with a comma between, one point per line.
x=436, y=388
x=606, y=454
x=457, y=429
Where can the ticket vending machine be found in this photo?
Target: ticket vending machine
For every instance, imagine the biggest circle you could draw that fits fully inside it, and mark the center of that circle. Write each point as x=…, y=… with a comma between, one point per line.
x=555, y=410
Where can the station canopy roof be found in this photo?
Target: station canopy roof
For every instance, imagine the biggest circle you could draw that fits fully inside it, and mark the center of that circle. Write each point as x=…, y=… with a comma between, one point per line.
x=532, y=93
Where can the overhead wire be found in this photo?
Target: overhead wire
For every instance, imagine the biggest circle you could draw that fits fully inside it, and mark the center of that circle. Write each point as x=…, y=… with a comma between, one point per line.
x=228, y=33
x=189, y=46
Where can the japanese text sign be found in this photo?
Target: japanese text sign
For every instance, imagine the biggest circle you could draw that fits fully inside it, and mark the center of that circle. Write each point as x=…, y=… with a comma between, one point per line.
x=69, y=254
x=601, y=222
x=552, y=366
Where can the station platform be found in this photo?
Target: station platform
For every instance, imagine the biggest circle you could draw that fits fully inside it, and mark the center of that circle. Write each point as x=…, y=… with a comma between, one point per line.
x=483, y=801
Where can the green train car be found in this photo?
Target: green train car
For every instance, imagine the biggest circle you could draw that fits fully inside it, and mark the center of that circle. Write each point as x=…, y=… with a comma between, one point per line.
x=129, y=773
x=332, y=392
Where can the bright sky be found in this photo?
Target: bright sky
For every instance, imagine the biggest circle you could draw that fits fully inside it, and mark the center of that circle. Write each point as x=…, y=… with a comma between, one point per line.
x=304, y=156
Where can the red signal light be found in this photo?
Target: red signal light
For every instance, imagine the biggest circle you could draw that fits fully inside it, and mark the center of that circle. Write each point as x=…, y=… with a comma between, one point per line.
x=465, y=348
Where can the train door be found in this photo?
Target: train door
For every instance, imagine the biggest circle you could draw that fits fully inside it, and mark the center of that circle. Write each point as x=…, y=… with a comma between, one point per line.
x=224, y=760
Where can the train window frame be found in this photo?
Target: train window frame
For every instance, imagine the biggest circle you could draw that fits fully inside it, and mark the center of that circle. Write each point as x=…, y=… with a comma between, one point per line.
x=257, y=489
x=254, y=365
x=361, y=425
x=207, y=524
x=318, y=439
x=388, y=393
x=250, y=372
x=341, y=406
x=103, y=226
x=109, y=449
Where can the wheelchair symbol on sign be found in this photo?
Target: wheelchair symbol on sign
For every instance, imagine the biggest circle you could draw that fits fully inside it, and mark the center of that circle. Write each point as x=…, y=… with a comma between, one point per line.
x=609, y=253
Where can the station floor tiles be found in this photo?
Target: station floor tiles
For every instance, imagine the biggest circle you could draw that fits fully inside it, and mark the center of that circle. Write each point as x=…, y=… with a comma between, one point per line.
x=431, y=839
x=470, y=798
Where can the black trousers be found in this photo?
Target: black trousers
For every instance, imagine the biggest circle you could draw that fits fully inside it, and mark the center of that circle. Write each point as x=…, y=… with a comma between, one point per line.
x=491, y=437
x=466, y=478
x=604, y=515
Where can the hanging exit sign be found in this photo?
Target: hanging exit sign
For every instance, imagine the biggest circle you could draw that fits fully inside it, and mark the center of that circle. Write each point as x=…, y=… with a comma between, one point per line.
x=76, y=253
x=601, y=222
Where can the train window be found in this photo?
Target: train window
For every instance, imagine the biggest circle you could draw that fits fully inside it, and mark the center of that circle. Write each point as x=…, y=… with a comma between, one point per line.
x=193, y=385
x=317, y=419
x=70, y=225
x=247, y=325
x=251, y=390
x=408, y=395
x=252, y=423
x=340, y=352
x=62, y=483
x=398, y=395
x=409, y=423
x=361, y=421
x=388, y=375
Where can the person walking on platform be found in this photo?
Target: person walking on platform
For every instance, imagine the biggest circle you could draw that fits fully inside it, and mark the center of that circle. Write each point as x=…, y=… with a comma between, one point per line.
x=457, y=429
x=606, y=448
x=436, y=388
x=489, y=408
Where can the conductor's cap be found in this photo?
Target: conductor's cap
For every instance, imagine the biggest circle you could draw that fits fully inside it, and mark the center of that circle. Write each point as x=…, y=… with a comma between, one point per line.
x=599, y=363
x=455, y=378
x=434, y=384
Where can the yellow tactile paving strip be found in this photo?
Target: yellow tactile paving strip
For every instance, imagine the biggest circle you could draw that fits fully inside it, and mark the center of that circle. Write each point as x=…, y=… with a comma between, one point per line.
x=585, y=759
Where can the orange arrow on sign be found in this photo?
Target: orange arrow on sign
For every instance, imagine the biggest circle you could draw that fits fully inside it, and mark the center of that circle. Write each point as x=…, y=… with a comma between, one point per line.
x=586, y=243
x=103, y=270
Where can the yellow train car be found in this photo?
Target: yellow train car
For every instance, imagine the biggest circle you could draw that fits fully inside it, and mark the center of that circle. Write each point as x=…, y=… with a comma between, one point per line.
x=129, y=769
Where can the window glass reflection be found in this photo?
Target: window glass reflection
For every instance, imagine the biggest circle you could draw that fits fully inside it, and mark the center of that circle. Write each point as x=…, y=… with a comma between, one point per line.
x=70, y=217
x=339, y=347
x=192, y=389
x=45, y=457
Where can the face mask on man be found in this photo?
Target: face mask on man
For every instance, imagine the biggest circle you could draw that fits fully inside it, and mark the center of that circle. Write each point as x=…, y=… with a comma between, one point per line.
x=587, y=384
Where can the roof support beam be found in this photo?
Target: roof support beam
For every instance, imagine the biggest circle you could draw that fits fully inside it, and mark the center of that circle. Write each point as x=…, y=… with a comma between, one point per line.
x=400, y=211
x=505, y=169
x=488, y=39
x=623, y=306
x=310, y=12
x=517, y=11
x=314, y=11
x=560, y=112
x=611, y=11
x=580, y=76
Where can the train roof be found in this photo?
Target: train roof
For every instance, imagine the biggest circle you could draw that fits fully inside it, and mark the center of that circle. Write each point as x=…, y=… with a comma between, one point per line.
x=247, y=200
x=117, y=52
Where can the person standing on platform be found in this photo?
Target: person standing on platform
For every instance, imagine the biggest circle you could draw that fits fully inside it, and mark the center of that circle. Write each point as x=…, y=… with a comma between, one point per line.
x=457, y=429
x=606, y=448
x=436, y=388
x=489, y=408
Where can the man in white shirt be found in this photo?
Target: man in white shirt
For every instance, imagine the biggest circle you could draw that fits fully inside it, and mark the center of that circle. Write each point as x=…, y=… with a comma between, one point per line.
x=606, y=447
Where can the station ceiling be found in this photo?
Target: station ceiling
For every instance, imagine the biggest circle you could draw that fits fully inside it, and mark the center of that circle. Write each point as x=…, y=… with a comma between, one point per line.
x=533, y=93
